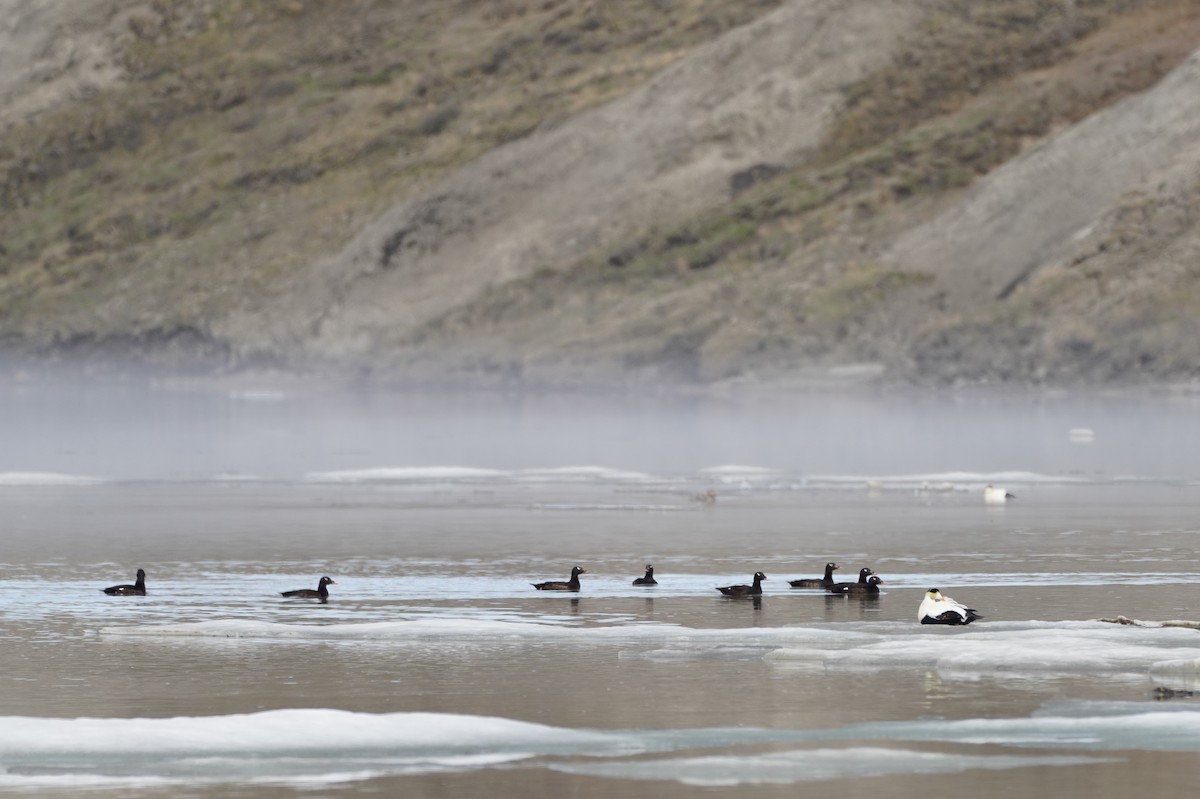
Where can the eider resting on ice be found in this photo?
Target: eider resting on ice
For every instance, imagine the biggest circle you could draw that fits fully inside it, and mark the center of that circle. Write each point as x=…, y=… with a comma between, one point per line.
x=648, y=579
x=813, y=582
x=996, y=496
x=745, y=590
x=137, y=589
x=938, y=609
x=561, y=585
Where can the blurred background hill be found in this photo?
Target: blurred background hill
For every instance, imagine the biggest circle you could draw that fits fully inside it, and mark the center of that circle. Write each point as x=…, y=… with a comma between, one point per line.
x=547, y=194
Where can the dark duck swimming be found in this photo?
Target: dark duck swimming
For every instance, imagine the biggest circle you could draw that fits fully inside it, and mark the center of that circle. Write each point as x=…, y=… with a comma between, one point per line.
x=938, y=609
x=137, y=589
x=647, y=578
x=745, y=590
x=321, y=592
x=561, y=585
x=840, y=588
x=868, y=589
x=817, y=582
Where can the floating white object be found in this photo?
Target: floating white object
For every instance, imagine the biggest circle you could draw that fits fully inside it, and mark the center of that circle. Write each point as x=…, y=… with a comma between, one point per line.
x=996, y=496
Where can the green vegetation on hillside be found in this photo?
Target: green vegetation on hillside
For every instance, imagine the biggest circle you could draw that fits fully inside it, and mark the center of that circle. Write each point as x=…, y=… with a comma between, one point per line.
x=252, y=136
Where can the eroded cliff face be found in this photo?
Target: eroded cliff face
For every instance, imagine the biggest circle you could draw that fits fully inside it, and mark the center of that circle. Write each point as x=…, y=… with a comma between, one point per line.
x=658, y=157
x=56, y=53
x=812, y=193
x=1047, y=268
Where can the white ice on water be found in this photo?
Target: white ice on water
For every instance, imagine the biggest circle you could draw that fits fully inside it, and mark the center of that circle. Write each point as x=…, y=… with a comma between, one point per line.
x=943, y=481
x=403, y=474
x=323, y=746
x=473, y=630
x=995, y=651
x=599, y=475
x=1029, y=650
x=47, y=479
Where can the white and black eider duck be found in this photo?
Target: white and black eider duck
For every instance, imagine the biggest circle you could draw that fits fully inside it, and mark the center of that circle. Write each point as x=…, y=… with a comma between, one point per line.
x=938, y=609
x=817, y=582
x=745, y=590
x=996, y=496
x=562, y=585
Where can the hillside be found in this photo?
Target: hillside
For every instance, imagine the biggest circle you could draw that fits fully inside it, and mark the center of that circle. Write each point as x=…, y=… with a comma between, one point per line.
x=560, y=194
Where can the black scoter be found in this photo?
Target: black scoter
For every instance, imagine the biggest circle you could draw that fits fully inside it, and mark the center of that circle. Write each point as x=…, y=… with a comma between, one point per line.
x=745, y=590
x=869, y=588
x=561, y=585
x=137, y=589
x=863, y=574
x=320, y=592
x=648, y=579
x=817, y=582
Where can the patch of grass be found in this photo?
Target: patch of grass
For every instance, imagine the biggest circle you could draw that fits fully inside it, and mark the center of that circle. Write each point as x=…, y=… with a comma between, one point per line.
x=858, y=289
x=965, y=48
x=684, y=249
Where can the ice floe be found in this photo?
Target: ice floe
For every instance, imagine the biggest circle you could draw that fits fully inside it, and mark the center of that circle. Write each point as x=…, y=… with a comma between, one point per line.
x=995, y=651
x=279, y=746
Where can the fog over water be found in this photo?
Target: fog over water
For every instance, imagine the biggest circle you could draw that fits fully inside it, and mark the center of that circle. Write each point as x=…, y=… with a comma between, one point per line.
x=140, y=431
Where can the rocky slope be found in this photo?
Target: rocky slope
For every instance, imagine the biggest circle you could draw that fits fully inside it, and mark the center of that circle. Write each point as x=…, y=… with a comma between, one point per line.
x=702, y=193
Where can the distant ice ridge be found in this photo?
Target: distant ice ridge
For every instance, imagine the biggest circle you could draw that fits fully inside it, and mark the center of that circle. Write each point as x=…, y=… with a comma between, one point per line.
x=583, y=473
x=734, y=474
x=426, y=474
x=403, y=474
x=27, y=479
x=279, y=746
x=944, y=481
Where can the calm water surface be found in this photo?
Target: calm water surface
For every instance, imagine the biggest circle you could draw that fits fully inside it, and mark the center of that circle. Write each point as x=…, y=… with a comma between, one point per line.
x=437, y=670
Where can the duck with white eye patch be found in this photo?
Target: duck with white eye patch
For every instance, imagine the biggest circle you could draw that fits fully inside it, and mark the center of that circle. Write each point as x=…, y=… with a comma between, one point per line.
x=562, y=585
x=938, y=609
x=320, y=593
x=647, y=578
x=817, y=582
x=863, y=590
x=739, y=591
x=863, y=575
